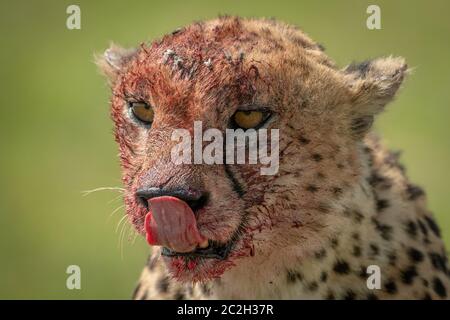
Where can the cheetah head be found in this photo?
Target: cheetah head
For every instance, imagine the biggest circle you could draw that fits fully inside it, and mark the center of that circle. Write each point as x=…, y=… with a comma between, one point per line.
x=212, y=218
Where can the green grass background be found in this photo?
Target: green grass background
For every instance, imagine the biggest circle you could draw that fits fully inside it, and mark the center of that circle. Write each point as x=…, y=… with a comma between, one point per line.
x=56, y=136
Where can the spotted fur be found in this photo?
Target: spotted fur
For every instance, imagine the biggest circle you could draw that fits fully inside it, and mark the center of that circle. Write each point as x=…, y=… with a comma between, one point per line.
x=340, y=201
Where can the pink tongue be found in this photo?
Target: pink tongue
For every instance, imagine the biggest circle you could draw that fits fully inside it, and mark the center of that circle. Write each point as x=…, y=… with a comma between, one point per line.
x=171, y=223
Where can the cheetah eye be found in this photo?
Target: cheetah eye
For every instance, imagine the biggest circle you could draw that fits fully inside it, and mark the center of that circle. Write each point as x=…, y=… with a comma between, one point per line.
x=142, y=112
x=251, y=119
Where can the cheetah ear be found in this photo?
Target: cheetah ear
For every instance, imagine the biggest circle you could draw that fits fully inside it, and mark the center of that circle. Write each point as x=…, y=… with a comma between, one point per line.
x=372, y=85
x=113, y=60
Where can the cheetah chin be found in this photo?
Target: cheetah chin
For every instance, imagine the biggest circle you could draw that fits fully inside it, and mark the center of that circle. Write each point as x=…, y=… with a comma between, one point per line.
x=338, y=220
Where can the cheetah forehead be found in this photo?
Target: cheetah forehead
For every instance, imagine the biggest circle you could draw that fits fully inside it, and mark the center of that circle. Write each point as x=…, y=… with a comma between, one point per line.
x=233, y=38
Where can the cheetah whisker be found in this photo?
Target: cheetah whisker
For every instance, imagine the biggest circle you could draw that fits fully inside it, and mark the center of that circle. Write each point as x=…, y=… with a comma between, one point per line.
x=121, y=221
x=115, y=210
x=88, y=192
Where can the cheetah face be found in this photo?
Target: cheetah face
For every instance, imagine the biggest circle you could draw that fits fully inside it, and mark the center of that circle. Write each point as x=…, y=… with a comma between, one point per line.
x=209, y=218
x=165, y=200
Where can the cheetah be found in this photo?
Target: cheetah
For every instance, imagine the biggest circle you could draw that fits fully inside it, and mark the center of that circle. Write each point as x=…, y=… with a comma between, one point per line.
x=339, y=203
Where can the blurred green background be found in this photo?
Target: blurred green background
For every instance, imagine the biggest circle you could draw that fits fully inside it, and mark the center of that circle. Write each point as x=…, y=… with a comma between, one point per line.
x=56, y=136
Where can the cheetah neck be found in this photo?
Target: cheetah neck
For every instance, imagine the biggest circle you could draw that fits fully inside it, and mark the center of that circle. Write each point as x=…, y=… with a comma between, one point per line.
x=323, y=269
